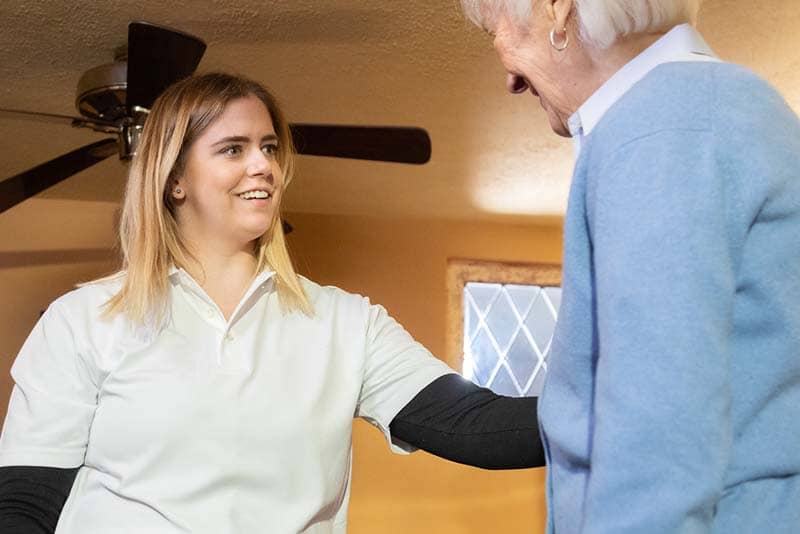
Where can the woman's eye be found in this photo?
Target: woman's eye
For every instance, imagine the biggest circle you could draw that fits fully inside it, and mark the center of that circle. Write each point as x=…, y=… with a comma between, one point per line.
x=232, y=150
x=270, y=150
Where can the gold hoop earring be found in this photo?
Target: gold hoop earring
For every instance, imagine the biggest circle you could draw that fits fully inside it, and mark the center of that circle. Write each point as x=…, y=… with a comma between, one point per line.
x=563, y=45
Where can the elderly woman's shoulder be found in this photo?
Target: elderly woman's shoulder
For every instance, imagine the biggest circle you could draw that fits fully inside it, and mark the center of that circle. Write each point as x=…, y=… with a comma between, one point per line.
x=702, y=86
x=720, y=96
x=738, y=88
x=685, y=97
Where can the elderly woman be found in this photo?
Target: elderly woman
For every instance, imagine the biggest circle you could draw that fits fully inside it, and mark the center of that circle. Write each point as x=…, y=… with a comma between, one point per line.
x=678, y=344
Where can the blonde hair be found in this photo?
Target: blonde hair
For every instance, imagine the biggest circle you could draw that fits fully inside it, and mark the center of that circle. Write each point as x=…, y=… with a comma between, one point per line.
x=149, y=239
x=600, y=22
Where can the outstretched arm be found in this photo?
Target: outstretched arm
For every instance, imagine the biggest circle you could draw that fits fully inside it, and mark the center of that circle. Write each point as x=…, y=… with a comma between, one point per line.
x=455, y=419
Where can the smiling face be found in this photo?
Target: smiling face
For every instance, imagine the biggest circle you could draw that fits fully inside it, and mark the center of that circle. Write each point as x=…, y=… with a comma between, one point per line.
x=532, y=64
x=231, y=185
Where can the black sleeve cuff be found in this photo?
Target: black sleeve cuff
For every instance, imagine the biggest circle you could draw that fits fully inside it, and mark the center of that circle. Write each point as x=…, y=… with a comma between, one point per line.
x=31, y=498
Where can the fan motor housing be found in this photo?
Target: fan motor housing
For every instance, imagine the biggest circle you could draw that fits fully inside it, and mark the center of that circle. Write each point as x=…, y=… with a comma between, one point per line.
x=102, y=92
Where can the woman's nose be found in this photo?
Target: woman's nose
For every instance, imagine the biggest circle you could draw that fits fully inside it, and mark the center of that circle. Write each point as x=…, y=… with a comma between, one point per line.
x=259, y=163
x=516, y=84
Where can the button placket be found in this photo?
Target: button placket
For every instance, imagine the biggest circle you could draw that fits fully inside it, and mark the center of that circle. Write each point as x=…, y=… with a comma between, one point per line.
x=200, y=301
x=228, y=358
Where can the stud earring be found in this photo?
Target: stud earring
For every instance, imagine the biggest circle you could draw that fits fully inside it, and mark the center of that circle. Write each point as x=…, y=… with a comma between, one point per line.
x=177, y=191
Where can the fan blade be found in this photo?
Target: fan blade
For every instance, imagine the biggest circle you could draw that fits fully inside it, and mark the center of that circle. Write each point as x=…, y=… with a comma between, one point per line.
x=95, y=124
x=26, y=184
x=36, y=116
x=45, y=117
x=376, y=143
x=158, y=57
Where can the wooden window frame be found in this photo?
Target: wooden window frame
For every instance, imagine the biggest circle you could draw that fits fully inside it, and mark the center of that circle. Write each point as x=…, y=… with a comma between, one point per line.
x=460, y=271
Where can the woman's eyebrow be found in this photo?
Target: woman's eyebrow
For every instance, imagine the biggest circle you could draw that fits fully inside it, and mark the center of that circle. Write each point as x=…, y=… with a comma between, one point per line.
x=243, y=139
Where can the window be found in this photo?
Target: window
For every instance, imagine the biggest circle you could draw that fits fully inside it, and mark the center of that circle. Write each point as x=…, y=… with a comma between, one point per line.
x=501, y=323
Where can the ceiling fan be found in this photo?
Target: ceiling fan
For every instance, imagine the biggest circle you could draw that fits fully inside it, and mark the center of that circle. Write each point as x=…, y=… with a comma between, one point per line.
x=115, y=99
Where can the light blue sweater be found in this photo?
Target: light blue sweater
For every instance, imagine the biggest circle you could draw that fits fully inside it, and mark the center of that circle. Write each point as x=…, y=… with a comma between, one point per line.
x=672, y=402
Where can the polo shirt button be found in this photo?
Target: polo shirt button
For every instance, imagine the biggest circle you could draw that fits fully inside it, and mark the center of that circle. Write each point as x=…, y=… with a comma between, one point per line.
x=229, y=337
x=210, y=312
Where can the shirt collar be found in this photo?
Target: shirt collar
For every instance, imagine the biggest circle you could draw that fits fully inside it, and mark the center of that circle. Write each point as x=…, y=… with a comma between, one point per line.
x=681, y=43
x=177, y=273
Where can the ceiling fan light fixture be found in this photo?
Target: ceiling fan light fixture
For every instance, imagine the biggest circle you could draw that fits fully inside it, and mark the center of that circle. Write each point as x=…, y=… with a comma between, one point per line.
x=102, y=92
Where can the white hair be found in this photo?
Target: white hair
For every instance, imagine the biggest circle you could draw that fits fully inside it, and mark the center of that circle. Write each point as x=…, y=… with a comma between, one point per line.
x=600, y=22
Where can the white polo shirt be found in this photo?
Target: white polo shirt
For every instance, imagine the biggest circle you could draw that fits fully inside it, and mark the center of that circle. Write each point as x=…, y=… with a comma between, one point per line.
x=209, y=426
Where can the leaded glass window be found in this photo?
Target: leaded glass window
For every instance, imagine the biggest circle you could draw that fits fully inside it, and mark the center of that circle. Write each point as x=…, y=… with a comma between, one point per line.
x=508, y=329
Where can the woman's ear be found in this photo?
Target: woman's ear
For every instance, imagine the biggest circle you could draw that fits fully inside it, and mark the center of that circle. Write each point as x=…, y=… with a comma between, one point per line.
x=560, y=11
x=176, y=190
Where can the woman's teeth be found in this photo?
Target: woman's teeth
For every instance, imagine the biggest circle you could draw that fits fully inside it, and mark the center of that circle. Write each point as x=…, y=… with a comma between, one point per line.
x=254, y=194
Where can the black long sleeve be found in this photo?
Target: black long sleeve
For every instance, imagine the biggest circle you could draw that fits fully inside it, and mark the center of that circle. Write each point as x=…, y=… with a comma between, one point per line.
x=455, y=419
x=31, y=498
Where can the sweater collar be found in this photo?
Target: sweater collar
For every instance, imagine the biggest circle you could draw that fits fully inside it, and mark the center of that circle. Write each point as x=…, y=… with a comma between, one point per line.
x=681, y=43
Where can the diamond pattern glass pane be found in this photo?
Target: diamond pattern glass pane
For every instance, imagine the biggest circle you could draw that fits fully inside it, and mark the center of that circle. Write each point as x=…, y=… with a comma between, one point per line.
x=522, y=360
x=507, y=334
x=501, y=320
x=504, y=383
x=541, y=321
x=482, y=369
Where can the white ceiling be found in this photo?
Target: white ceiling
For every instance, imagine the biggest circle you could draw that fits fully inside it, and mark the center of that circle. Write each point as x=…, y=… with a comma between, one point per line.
x=387, y=62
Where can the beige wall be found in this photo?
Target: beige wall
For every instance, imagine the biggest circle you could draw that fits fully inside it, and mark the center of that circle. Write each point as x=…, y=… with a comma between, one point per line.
x=402, y=265
x=46, y=246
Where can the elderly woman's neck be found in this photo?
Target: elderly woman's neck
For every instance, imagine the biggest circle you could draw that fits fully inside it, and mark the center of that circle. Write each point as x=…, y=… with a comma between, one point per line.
x=605, y=63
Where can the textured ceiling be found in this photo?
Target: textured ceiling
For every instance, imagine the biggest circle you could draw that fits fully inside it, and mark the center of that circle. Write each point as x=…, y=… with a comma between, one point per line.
x=358, y=62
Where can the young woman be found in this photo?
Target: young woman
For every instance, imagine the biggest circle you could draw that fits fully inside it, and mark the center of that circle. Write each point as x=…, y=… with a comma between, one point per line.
x=206, y=388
